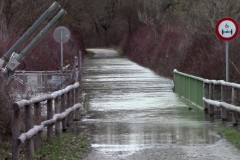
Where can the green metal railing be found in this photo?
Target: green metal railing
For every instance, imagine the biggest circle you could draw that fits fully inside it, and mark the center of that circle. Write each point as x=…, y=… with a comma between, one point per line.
x=190, y=87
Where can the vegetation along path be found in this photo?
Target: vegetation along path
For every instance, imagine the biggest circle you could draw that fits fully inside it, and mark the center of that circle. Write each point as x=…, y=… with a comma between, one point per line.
x=134, y=114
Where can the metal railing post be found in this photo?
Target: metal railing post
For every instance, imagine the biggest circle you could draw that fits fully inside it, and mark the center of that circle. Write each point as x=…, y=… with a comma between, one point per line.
x=206, y=95
x=223, y=99
x=210, y=107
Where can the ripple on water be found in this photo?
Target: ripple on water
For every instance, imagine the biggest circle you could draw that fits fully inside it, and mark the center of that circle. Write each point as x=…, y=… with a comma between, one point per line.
x=131, y=108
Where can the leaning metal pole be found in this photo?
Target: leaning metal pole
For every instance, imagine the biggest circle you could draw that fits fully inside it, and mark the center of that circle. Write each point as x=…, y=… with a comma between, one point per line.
x=26, y=50
x=8, y=71
x=28, y=33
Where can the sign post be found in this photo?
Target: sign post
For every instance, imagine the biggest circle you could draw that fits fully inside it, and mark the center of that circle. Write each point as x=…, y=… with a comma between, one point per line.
x=227, y=60
x=61, y=35
x=227, y=29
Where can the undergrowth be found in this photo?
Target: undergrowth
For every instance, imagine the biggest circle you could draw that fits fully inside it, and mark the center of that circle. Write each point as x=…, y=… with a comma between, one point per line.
x=230, y=133
x=67, y=146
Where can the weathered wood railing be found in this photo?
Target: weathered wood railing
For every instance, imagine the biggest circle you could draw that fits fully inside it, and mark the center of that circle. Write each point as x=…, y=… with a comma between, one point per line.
x=62, y=107
x=227, y=102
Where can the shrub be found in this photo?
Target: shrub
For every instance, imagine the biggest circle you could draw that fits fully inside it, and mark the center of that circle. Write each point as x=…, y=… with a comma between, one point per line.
x=5, y=110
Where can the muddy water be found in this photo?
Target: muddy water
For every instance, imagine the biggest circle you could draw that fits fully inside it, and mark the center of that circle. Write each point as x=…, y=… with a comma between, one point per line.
x=132, y=113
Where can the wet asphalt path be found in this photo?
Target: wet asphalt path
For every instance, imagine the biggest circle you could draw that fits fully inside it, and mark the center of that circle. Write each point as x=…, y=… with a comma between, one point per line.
x=132, y=113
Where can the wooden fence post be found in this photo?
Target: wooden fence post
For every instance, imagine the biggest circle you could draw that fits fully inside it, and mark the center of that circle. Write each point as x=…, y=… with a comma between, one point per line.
x=64, y=126
x=80, y=67
x=234, y=101
x=29, y=125
x=210, y=107
x=68, y=105
x=57, y=110
x=72, y=115
x=38, y=119
x=76, y=100
x=15, y=132
x=223, y=99
x=49, y=116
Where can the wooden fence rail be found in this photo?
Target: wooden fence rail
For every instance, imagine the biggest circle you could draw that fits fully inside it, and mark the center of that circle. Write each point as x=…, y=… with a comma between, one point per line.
x=62, y=107
x=227, y=102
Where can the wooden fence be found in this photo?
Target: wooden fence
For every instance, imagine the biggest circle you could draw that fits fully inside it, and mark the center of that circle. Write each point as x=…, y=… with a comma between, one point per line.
x=228, y=102
x=62, y=107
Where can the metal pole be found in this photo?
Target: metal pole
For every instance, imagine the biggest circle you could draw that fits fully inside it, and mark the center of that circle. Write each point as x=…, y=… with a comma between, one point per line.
x=80, y=67
x=61, y=56
x=40, y=35
x=61, y=49
x=227, y=61
x=8, y=73
x=27, y=34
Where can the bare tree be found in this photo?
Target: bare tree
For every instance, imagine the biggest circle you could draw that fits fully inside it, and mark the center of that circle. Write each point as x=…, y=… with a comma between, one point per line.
x=107, y=16
x=127, y=10
x=6, y=15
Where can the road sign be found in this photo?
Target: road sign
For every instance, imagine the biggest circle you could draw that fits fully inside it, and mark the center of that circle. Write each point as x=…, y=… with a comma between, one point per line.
x=227, y=28
x=61, y=34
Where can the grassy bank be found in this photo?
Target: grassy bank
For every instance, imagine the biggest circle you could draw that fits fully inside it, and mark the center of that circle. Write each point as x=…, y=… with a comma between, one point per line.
x=230, y=133
x=5, y=150
x=67, y=146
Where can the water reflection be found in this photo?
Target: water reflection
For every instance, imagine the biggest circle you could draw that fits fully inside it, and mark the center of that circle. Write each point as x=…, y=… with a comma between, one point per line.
x=131, y=108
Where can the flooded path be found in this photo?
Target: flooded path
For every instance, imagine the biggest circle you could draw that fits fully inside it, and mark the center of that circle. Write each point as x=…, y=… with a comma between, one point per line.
x=133, y=114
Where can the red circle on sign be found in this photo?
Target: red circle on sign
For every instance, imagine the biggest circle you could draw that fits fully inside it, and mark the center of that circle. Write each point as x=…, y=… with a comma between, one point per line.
x=220, y=22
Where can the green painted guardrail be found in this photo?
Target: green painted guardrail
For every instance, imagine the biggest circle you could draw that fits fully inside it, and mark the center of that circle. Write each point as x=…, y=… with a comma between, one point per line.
x=190, y=87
